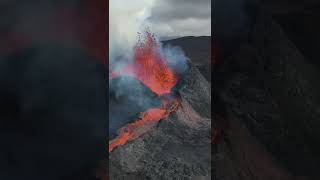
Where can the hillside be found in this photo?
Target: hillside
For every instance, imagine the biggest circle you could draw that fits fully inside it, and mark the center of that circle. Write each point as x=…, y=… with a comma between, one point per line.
x=197, y=49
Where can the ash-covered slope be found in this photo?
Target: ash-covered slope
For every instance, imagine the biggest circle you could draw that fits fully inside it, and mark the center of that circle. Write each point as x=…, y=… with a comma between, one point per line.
x=178, y=147
x=272, y=98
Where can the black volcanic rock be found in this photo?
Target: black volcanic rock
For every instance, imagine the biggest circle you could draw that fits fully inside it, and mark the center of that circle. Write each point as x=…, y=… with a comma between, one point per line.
x=293, y=83
x=272, y=98
x=197, y=91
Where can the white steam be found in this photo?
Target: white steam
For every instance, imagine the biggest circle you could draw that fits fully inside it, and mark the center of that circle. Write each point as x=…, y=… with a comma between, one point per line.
x=127, y=19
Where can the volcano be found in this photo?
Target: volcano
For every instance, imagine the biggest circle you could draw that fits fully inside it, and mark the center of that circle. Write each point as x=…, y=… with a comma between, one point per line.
x=170, y=135
x=271, y=93
x=151, y=68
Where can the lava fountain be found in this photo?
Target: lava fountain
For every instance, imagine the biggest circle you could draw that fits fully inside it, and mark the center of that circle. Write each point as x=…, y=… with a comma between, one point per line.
x=151, y=68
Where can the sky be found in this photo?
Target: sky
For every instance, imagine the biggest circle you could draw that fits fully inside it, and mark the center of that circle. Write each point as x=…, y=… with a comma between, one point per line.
x=176, y=18
x=165, y=18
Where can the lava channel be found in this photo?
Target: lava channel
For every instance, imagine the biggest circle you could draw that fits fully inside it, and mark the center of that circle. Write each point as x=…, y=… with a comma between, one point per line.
x=151, y=68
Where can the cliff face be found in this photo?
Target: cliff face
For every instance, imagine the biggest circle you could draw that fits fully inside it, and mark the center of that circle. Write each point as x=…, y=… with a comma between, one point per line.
x=272, y=99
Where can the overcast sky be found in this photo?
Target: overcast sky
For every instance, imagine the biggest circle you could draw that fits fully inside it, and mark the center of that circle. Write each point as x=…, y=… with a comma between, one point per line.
x=171, y=18
x=166, y=19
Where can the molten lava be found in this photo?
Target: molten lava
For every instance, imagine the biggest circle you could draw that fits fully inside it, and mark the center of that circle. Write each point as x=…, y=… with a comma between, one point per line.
x=152, y=115
x=151, y=68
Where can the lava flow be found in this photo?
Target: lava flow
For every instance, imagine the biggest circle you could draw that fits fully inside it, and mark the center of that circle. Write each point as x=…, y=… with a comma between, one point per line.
x=151, y=68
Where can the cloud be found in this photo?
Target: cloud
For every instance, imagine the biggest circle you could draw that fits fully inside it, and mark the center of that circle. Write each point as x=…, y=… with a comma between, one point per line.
x=181, y=18
x=165, y=18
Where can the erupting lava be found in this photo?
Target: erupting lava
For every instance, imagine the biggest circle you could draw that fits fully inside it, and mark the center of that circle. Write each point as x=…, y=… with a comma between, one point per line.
x=151, y=68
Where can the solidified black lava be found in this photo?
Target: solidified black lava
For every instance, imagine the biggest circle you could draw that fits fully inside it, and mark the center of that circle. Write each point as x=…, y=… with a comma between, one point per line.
x=128, y=97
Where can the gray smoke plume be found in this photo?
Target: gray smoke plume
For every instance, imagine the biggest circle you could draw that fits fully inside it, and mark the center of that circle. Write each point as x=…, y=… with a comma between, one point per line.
x=128, y=19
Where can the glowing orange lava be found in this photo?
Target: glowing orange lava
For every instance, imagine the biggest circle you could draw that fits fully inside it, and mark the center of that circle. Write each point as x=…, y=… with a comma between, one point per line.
x=151, y=68
x=152, y=115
